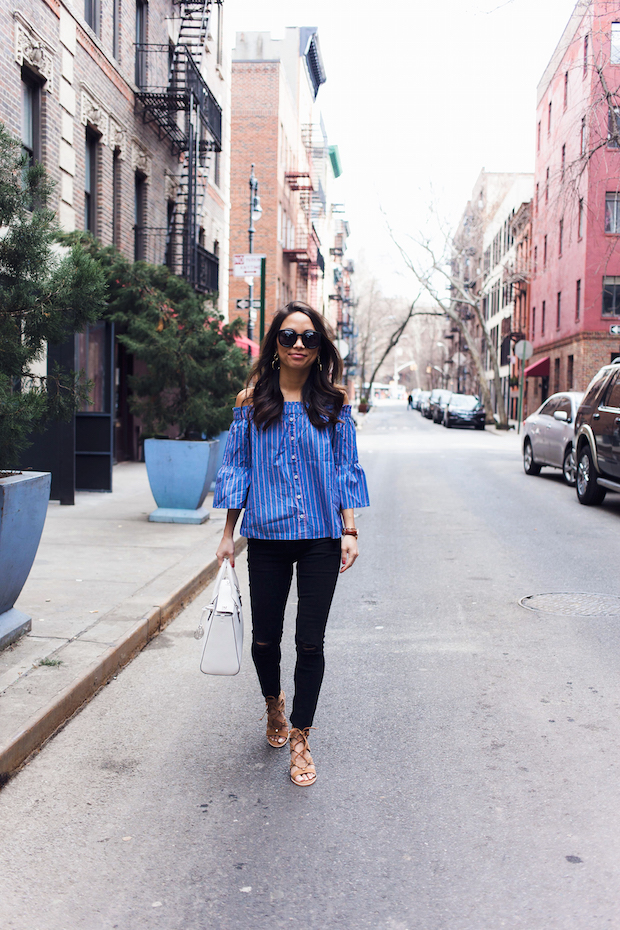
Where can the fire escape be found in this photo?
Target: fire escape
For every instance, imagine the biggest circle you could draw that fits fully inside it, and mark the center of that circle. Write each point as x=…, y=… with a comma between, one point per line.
x=175, y=99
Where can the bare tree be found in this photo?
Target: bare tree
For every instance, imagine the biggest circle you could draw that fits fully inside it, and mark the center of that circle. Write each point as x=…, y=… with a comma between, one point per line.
x=435, y=274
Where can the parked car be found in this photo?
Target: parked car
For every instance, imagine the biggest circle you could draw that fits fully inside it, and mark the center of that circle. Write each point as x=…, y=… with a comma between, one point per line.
x=548, y=435
x=464, y=410
x=434, y=400
x=423, y=402
x=597, y=437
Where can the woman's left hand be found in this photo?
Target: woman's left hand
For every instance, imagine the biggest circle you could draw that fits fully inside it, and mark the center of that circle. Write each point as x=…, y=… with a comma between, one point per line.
x=349, y=552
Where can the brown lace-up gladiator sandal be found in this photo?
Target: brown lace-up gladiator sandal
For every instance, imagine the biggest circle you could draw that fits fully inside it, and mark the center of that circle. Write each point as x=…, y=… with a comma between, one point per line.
x=301, y=760
x=277, y=726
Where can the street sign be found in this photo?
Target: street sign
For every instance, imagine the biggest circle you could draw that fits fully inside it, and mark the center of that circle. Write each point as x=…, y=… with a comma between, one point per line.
x=343, y=347
x=247, y=265
x=614, y=329
x=524, y=349
x=243, y=303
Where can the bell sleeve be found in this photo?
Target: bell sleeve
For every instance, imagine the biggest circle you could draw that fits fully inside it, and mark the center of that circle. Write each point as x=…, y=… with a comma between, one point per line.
x=351, y=487
x=233, y=478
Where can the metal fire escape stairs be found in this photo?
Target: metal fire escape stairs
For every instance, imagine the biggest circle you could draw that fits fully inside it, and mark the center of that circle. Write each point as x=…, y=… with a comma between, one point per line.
x=187, y=113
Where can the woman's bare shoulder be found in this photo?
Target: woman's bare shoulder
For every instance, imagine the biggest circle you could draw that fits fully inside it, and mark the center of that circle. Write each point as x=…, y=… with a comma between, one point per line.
x=244, y=397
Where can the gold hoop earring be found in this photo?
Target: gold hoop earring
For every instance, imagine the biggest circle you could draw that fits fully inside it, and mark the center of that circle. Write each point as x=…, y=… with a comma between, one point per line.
x=275, y=362
x=318, y=362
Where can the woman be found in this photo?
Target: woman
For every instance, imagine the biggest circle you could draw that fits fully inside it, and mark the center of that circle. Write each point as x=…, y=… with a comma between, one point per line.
x=291, y=462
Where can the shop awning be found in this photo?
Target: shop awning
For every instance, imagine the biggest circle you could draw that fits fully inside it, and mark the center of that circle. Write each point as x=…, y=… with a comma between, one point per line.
x=244, y=343
x=539, y=369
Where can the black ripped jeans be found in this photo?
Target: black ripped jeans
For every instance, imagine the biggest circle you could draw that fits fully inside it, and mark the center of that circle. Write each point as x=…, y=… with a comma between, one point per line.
x=270, y=563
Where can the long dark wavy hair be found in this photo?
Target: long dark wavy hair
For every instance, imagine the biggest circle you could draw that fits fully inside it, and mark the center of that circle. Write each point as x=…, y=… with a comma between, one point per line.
x=322, y=399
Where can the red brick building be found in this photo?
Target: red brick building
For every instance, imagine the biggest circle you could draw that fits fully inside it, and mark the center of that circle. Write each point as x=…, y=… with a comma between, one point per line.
x=274, y=85
x=575, y=289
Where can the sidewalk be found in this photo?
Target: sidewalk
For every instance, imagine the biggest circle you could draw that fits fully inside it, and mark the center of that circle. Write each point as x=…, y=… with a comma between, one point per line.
x=104, y=582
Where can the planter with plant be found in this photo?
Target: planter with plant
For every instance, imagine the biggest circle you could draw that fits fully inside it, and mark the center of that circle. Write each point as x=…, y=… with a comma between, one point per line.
x=46, y=294
x=190, y=373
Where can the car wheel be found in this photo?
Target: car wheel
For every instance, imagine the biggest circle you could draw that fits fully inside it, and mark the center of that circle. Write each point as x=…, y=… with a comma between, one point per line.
x=529, y=465
x=588, y=491
x=480, y=426
x=569, y=467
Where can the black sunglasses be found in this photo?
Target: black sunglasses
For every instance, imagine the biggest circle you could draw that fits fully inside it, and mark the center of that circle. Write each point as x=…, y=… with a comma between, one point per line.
x=288, y=337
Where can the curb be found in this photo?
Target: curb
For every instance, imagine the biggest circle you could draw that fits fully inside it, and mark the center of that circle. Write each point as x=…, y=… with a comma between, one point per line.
x=57, y=712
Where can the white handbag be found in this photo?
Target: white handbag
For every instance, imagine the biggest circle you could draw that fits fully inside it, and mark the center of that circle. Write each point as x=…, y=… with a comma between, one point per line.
x=221, y=626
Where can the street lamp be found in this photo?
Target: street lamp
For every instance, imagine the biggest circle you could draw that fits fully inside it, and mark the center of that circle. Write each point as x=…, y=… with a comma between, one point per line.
x=256, y=211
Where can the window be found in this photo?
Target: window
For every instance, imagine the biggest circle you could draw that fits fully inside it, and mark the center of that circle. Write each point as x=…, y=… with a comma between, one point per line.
x=613, y=131
x=538, y=137
x=612, y=397
x=580, y=219
x=535, y=259
x=90, y=182
x=585, y=55
x=556, y=377
x=139, y=214
x=116, y=21
x=565, y=89
x=31, y=122
x=563, y=167
x=116, y=197
x=542, y=321
x=140, y=75
x=578, y=300
x=219, y=32
x=217, y=165
x=612, y=212
x=570, y=369
x=558, y=317
x=611, y=295
x=90, y=358
x=564, y=404
x=536, y=200
x=91, y=14
x=549, y=119
x=550, y=407
x=547, y=187
x=533, y=322
x=545, y=253
x=614, y=52
x=583, y=135
x=560, y=237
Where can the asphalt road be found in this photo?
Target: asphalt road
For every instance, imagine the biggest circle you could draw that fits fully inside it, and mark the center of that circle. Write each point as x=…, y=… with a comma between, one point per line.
x=468, y=750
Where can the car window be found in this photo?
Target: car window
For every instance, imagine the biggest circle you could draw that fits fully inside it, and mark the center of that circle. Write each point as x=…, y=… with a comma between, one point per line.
x=564, y=404
x=463, y=401
x=612, y=394
x=550, y=406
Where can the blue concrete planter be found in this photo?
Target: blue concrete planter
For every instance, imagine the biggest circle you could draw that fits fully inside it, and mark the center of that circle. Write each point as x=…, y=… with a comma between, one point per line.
x=180, y=473
x=23, y=508
x=220, y=455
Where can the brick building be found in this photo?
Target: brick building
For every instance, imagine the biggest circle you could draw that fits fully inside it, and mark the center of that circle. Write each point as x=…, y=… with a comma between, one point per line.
x=276, y=128
x=488, y=245
x=575, y=291
x=127, y=106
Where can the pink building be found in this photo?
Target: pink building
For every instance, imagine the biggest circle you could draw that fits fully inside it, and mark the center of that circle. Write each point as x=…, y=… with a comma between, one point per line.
x=575, y=260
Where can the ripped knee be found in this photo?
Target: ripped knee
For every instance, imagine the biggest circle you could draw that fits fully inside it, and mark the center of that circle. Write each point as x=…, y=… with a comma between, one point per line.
x=264, y=649
x=309, y=649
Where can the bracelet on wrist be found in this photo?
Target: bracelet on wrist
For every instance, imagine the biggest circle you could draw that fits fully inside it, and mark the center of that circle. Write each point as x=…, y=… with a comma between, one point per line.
x=350, y=531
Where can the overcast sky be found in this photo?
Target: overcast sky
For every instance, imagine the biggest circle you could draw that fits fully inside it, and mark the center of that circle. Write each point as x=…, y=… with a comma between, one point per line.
x=419, y=98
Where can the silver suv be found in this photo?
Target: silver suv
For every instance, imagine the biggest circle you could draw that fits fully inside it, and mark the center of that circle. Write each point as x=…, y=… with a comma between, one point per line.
x=597, y=437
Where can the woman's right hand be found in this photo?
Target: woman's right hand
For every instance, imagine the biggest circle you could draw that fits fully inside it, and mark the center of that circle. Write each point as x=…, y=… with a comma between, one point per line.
x=226, y=550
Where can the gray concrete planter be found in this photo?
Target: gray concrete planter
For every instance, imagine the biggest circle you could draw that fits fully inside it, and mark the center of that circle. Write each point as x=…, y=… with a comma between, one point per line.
x=23, y=508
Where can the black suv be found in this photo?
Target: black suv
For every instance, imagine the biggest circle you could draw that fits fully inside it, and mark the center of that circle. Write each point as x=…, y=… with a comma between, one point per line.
x=597, y=437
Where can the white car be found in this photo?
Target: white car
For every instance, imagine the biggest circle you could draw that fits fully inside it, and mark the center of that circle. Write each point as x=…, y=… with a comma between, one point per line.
x=548, y=436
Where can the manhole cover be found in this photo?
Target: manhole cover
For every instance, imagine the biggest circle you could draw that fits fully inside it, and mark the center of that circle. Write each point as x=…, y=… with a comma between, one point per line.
x=574, y=605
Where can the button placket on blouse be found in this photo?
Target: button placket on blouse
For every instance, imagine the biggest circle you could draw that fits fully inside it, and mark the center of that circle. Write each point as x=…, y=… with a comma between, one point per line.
x=300, y=516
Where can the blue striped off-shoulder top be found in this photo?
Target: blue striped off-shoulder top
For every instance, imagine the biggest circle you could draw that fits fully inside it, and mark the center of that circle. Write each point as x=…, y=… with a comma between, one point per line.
x=292, y=479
